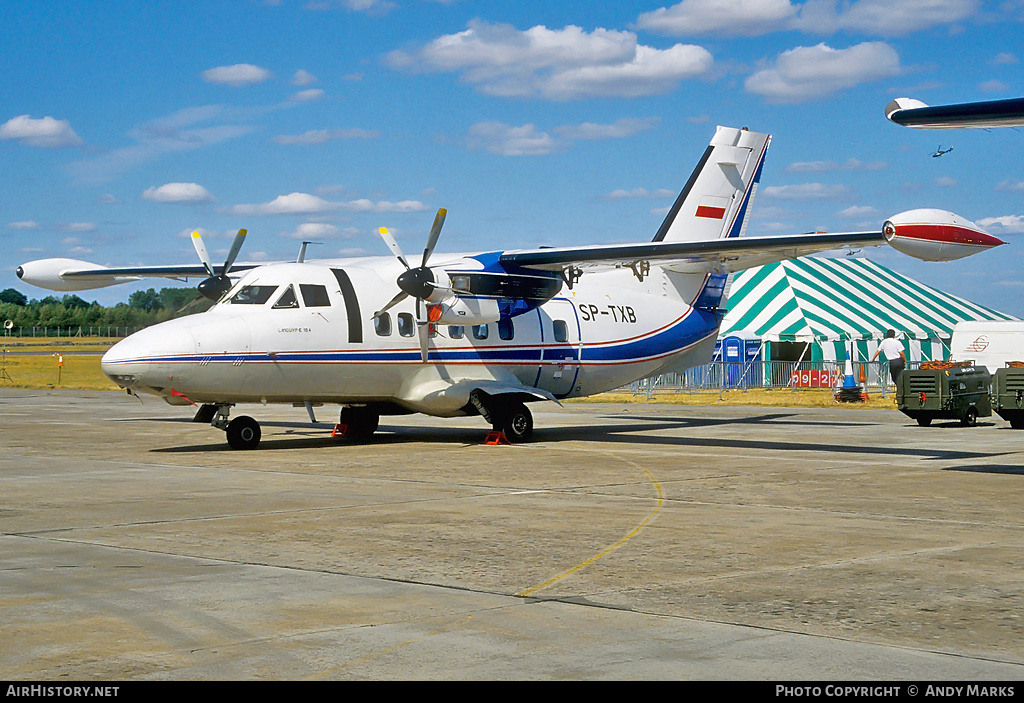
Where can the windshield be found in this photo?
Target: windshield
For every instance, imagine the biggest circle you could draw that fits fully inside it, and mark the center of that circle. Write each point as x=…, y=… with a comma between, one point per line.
x=252, y=295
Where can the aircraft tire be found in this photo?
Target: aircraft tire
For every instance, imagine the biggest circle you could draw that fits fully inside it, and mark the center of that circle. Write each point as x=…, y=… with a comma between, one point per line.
x=361, y=422
x=924, y=421
x=243, y=433
x=516, y=422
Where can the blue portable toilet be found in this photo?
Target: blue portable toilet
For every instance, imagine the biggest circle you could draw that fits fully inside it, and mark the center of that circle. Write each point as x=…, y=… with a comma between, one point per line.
x=740, y=352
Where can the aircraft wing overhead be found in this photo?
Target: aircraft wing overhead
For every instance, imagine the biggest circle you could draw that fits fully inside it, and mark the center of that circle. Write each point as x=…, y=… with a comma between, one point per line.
x=980, y=115
x=716, y=255
x=182, y=271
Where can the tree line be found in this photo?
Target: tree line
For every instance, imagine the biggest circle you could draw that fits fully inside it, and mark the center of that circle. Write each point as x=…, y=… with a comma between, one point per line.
x=144, y=308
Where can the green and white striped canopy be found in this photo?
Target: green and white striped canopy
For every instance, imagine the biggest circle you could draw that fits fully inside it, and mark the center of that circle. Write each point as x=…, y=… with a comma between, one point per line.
x=836, y=300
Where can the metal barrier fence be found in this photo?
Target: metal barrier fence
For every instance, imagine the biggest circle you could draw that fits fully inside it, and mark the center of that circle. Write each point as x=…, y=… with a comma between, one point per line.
x=72, y=331
x=719, y=376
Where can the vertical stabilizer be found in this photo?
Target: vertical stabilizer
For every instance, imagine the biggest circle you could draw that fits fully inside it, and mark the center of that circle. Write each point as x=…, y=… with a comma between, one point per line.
x=713, y=204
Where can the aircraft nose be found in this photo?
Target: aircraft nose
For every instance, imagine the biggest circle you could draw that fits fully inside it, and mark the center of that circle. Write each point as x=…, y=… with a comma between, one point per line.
x=142, y=358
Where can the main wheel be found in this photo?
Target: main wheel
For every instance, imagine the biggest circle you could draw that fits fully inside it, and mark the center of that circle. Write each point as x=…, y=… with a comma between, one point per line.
x=924, y=421
x=516, y=422
x=970, y=418
x=244, y=433
x=361, y=422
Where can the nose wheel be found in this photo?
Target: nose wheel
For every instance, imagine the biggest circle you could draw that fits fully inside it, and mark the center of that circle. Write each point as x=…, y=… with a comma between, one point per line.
x=243, y=433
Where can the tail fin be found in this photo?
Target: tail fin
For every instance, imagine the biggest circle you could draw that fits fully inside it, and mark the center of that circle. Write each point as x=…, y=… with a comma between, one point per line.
x=713, y=203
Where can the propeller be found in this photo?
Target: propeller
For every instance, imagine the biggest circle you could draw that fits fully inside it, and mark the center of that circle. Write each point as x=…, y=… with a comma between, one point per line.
x=217, y=285
x=416, y=282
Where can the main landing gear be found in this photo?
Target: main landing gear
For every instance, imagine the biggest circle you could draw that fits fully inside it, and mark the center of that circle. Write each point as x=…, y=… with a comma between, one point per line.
x=243, y=432
x=509, y=416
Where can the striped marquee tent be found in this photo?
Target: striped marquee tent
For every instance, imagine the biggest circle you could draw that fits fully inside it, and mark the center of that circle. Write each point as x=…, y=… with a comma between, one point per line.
x=830, y=303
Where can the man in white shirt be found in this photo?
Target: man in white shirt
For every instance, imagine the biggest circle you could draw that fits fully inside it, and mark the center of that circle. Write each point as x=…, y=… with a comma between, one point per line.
x=893, y=351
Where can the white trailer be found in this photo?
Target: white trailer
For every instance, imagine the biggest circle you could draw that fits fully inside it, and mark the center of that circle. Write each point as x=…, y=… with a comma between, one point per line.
x=988, y=343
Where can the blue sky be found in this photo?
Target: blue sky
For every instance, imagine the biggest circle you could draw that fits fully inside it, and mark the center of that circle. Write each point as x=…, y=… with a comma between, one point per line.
x=123, y=127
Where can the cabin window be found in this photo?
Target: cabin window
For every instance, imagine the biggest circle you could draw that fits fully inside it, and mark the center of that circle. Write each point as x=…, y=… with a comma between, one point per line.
x=480, y=331
x=382, y=324
x=253, y=295
x=561, y=330
x=406, y=324
x=287, y=299
x=456, y=331
x=314, y=296
x=431, y=330
x=506, y=330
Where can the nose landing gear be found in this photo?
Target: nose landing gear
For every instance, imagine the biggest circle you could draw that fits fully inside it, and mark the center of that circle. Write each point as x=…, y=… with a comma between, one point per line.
x=243, y=432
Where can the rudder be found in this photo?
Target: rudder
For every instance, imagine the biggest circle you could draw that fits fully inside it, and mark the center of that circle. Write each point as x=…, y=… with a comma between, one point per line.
x=714, y=202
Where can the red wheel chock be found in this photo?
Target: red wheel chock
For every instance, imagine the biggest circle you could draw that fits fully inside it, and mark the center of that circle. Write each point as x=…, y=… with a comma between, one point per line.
x=496, y=437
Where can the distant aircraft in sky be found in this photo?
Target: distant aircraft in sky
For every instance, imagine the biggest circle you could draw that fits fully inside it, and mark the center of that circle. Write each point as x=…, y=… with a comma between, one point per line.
x=980, y=115
x=940, y=151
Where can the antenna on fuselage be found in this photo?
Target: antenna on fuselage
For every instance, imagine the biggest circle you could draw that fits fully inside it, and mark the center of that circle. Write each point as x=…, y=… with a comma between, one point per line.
x=302, y=251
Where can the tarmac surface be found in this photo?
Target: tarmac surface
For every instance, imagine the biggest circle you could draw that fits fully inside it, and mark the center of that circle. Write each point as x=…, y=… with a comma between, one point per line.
x=625, y=542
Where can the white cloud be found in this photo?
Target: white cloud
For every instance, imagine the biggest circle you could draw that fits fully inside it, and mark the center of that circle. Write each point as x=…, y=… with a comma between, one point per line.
x=994, y=86
x=1004, y=59
x=805, y=191
x=303, y=77
x=637, y=193
x=809, y=72
x=504, y=140
x=1007, y=224
x=625, y=127
x=314, y=230
x=306, y=204
x=527, y=140
x=375, y=7
x=825, y=166
x=556, y=64
x=237, y=75
x=744, y=18
x=45, y=132
x=858, y=211
x=945, y=182
x=305, y=96
x=76, y=227
x=887, y=18
x=24, y=226
x=1011, y=185
x=750, y=18
x=175, y=132
x=178, y=193
x=322, y=136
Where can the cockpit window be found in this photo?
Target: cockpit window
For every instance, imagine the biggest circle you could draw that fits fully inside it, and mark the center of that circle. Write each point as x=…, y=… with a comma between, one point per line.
x=314, y=296
x=252, y=295
x=287, y=299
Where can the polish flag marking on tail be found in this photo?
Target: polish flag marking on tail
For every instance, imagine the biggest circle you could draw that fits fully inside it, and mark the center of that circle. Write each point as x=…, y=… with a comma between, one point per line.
x=712, y=207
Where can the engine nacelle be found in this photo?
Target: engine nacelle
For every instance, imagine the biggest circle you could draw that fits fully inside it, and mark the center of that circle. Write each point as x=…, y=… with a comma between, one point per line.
x=465, y=311
x=936, y=235
x=49, y=274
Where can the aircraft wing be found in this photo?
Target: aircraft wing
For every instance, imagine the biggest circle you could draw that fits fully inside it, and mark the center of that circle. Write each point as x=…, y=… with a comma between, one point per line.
x=980, y=115
x=717, y=255
x=182, y=271
x=74, y=275
x=927, y=234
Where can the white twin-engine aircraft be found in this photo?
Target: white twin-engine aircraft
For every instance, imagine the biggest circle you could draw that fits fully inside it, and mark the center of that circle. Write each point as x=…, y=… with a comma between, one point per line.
x=472, y=334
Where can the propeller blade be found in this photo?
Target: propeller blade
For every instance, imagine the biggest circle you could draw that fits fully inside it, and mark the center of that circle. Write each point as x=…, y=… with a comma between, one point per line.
x=423, y=329
x=235, y=248
x=197, y=242
x=394, y=301
x=393, y=245
x=435, y=232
